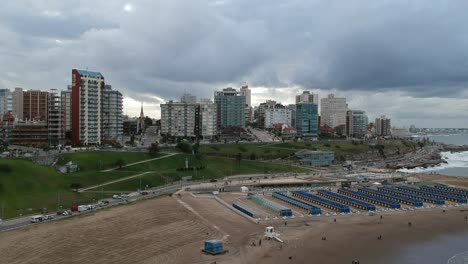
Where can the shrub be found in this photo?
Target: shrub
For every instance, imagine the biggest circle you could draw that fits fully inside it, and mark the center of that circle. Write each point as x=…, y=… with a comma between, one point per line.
x=76, y=185
x=252, y=156
x=5, y=168
x=242, y=148
x=327, y=145
x=184, y=147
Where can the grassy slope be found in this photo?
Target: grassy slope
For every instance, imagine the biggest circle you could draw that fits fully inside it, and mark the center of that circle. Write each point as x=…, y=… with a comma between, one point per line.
x=30, y=185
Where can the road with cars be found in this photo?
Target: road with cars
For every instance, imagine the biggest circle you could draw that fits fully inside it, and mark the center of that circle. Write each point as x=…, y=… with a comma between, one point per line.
x=12, y=224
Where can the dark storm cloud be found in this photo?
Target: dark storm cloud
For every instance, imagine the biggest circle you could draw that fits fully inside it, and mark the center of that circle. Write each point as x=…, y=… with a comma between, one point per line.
x=167, y=47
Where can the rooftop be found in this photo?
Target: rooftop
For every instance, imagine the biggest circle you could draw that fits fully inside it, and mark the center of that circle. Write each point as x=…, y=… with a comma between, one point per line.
x=90, y=73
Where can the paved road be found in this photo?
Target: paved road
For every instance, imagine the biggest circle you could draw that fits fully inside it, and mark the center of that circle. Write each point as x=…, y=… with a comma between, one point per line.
x=20, y=222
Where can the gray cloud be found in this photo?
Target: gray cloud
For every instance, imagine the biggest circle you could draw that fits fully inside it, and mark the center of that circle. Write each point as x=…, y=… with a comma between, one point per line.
x=164, y=48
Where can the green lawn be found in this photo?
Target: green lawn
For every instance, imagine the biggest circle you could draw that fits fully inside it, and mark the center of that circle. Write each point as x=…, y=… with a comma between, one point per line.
x=101, y=160
x=27, y=186
x=262, y=152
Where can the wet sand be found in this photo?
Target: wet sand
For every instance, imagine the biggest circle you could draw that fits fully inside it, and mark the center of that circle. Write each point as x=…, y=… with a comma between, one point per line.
x=356, y=238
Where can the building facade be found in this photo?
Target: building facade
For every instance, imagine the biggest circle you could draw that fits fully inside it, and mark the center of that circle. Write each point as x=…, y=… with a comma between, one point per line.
x=66, y=102
x=188, y=98
x=54, y=121
x=315, y=158
x=277, y=115
x=333, y=111
x=87, y=89
x=307, y=119
x=180, y=119
x=230, y=106
x=35, y=105
x=382, y=126
x=30, y=133
x=6, y=101
x=356, y=123
x=112, y=115
x=208, y=118
x=307, y=97
x=18, y=103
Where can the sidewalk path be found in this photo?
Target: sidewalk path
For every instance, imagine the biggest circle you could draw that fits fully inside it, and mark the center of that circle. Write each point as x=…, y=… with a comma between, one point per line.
x=139, y=162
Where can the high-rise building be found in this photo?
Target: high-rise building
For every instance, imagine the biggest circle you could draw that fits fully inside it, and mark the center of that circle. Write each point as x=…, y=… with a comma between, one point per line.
x=259, y=114
x=18, y=103
x=230, y=105
x=55, y=119
x=292, y=108
x=208, y=126
x=356, y=123
x=180, y=119
x=6, y=101
x=307, y=97
x=382, y=126
x=333, y=111
x=245, y=91
x=66, y=101
x=249, y=115
x=277, y=114
x=307, y=119
x=188, y=98
x=35, y=105
x=87, y=89
x=112, y=120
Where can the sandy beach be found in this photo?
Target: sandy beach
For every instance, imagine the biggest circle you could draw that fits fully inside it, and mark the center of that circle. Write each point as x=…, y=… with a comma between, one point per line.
x=172, y=230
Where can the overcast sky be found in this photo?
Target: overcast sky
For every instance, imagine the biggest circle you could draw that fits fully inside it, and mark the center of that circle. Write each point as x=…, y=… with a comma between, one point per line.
x=405, y=59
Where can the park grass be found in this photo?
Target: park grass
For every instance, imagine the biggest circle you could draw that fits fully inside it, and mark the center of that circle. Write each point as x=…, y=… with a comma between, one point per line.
x=262, y=152
x=27, y=187
x=101, y=160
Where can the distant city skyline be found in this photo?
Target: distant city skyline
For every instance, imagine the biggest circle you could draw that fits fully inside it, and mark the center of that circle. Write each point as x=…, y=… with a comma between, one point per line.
x=412, y=70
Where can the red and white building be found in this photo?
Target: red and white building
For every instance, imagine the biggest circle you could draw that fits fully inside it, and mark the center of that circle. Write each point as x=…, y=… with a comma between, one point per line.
x=87, y=92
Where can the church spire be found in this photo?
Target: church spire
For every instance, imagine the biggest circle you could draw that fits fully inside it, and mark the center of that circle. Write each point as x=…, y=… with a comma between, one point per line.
x=141, y=112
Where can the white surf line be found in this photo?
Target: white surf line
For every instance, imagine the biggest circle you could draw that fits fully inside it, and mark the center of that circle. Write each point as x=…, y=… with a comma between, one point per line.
x=456, y=255
x=139, y=162
x=188, y=207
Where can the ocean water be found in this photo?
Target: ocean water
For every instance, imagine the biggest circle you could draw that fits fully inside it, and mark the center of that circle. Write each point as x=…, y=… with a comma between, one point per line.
x=447, y=249
x=457, y=162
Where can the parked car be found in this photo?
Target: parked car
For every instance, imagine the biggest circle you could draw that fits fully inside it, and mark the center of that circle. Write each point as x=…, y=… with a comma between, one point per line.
x=37, y=218
x=60, y=212
x=1, y=221
x=116, y=196
x=144, y=193
x=48, y=217
x=91, y=206
x=65, y=213
x=82, y=208
x=124, y=196
x=103, y=203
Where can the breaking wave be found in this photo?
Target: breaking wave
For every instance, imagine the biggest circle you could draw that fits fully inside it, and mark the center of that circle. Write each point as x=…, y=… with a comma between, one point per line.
x=454, y=160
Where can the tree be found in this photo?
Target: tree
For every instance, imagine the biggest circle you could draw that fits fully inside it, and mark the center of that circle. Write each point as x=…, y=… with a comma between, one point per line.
x=148, y=121
x=184, y=147
x=120, y=163
x=253, y=156
x=154, y=148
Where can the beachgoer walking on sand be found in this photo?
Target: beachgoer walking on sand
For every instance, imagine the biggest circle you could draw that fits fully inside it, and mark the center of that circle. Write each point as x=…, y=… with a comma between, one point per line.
x=259, y=242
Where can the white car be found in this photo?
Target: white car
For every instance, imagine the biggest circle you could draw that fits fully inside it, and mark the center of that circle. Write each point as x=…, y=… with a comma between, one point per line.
x=1, y=221
x=116, y=196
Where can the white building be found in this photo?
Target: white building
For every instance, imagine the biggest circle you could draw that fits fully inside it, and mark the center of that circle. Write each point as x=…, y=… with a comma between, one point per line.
x=87, y=89
x=208, y=120
x=180, y=119
x=55, y=119
x=245, y=91
x=277, y=115
x=112, y=120
x=333, y=111
x=307, y=97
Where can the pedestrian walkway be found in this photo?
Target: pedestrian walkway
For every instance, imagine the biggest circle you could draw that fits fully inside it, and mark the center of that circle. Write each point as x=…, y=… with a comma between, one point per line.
x=139, y=162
